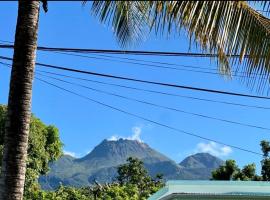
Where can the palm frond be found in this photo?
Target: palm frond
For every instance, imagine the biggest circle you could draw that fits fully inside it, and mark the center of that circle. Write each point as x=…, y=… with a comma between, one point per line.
x=127, y=19
x=224, y=27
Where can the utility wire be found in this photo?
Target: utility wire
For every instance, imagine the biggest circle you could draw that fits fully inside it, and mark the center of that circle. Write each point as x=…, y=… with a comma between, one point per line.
x=125, y=52
x=156, y=64
x=147, y=119
x=129, y=59
x=165, y=65
x=156, y=92
x=157, y=105
x=153, y=64
x=151, y=91
x=7, y=41
x=137, y=63
x=146, y=81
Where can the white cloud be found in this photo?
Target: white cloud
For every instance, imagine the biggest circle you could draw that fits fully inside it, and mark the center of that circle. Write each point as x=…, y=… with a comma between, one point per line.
x=137, y=131
x=113, y=138
x=73, y=154
x=136, y=135
x=214, y=149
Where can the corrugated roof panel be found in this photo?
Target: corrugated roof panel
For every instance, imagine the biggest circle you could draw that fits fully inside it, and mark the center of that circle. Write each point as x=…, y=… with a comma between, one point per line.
x=214, y=189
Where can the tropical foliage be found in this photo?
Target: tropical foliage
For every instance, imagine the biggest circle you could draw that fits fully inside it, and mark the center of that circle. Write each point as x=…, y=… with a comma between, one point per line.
x=230, y=170
x=233, y=30
x=127, y=19
x=133, y=183
x=134, y=173
x=44, y=146
x=265, y=146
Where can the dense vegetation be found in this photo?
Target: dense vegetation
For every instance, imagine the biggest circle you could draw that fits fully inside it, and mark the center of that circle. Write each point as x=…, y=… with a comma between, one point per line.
x=230, y=170
x=133, y=183
x=44, y=146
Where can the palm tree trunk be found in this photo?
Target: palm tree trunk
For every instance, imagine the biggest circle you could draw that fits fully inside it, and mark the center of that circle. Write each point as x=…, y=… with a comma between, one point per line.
x=19, y=102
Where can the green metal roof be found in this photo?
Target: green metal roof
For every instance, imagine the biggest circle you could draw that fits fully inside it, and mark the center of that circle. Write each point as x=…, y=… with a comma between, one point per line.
x=226, y=189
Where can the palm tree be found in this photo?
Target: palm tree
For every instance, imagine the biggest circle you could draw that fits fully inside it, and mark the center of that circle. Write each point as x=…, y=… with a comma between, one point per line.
x=224, y=28
x=19, y=102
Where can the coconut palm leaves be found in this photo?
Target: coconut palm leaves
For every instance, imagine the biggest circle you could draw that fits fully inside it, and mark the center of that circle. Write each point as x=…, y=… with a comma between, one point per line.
x=126, y=17
x=227, y=28
x=238, y=34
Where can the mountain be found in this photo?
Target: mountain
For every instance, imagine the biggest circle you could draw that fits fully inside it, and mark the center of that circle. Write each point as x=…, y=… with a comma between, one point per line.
x=201, y=164
x=102, y=162
x=201, y=160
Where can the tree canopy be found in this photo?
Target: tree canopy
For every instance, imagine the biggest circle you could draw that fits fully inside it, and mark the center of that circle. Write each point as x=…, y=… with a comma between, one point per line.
x=230, y=170
x=134, y=173
x=134, y=183
x=265, y=146
x=44, y=147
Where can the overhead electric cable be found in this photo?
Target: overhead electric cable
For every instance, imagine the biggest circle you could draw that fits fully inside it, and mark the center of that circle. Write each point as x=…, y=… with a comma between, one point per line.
x=157, y=105
x=110, y=51
x=157, y=92
x=129, y=59
x=5, y=41
x=147, y=119
x=146, y=81
x=164, y=65
x=154, y=64
x=151, y=91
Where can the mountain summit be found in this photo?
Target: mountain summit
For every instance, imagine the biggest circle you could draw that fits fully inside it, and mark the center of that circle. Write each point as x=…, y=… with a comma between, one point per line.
x=201, y=160
x=102, y=162
x=113, y=153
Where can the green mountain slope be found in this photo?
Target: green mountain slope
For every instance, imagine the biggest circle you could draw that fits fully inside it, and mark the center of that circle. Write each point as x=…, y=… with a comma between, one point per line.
x=201, y=165
x=101, y=165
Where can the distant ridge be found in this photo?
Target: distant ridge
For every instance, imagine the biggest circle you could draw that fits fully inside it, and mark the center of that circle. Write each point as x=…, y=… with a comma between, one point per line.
x=201, y=160
x=102, y=162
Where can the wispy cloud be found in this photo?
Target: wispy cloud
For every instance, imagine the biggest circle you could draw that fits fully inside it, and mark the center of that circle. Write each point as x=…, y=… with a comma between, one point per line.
x=214, y=149
x=136, y=135
x=137, y=131
x=113, y=138
x=73, y=154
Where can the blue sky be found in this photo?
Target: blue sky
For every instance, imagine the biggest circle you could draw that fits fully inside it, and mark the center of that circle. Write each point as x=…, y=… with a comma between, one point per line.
x=83, y=124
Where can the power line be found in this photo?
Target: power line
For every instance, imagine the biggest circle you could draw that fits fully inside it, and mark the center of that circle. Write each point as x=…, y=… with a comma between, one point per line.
x=148, y=120
x=152, y=91
x=146, y=81
x=142, y=64
x=129, y=59
x=136, y=63
x=6, y=41
x=125, y=52
x=153, y=63
x=157, y=105
x=157, y=62
x=157, y=92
